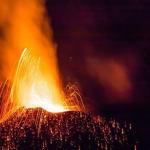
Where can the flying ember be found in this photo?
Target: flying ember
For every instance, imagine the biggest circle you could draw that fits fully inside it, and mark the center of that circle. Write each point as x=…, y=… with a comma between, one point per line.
x=31, y=88
x=33, y=78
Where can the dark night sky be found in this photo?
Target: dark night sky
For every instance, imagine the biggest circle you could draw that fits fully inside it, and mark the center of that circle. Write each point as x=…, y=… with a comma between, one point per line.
x=115, y=36
x=104, y=29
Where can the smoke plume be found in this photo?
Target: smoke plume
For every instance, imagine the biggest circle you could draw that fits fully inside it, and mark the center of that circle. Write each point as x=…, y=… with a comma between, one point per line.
x=24, y=24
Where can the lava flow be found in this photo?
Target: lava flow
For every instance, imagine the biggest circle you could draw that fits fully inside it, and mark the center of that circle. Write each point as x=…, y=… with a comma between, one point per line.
x=34, y=81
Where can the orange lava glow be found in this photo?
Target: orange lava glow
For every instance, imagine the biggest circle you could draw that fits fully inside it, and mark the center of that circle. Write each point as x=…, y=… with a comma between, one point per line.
x=32, y=87
x=34, y=81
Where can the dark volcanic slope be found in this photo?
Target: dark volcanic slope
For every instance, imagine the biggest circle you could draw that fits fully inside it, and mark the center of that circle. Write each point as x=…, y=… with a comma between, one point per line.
x=41, y=130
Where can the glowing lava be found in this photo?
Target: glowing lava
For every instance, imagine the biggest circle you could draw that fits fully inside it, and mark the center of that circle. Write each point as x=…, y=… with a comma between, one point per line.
x=34, y=85
x=32, y=88
x=34, y=81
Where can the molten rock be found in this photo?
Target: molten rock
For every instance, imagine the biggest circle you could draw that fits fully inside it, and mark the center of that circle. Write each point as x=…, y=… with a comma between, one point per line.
x=37, y=129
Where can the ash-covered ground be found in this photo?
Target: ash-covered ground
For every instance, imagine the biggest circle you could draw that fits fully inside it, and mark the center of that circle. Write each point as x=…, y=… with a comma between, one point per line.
x=36, y=129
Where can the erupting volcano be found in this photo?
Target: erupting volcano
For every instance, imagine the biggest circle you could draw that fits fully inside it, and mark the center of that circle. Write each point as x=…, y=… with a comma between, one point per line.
x=33, y=88
x=35, y=110
x=34, y=81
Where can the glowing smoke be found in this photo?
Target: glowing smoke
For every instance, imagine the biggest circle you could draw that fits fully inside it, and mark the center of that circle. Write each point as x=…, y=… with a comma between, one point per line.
x=112, y=75
x=24, y=24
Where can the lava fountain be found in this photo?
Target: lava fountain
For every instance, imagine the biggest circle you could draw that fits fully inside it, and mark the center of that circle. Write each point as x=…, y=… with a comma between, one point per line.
x=32, y=89
x=34, y=81
x=31, y=92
